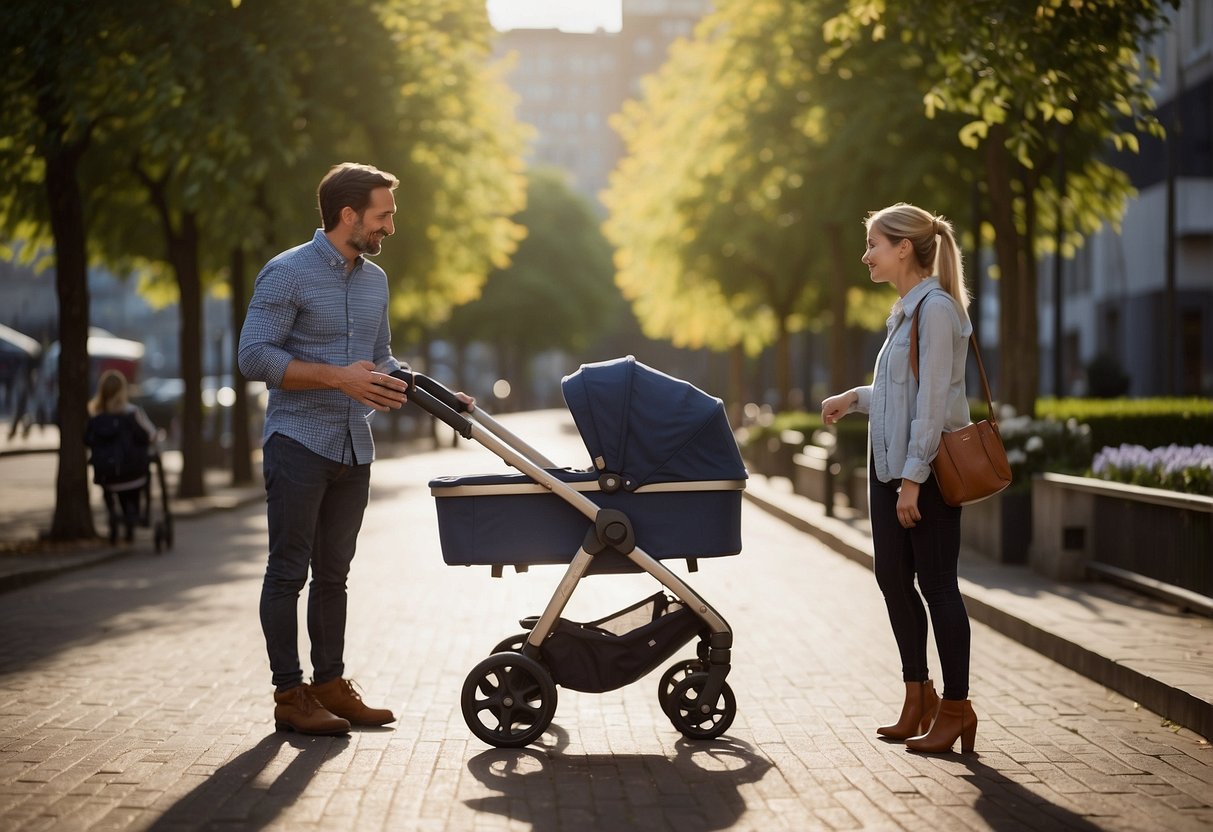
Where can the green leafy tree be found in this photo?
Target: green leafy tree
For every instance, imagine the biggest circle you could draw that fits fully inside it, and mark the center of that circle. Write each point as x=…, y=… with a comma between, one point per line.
x=57, y=106
x=753, y=159
x=558, y=291
x=1034, y=79
x=402, y=95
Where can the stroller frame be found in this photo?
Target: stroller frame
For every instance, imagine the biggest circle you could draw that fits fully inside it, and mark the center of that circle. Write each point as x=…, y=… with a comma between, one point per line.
x=693, y=693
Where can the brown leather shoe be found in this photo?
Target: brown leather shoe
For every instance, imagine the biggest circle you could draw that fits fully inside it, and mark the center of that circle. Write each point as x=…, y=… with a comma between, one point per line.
x=917, y=713
x=340, y=697
x=297, y=710
x=956, y=720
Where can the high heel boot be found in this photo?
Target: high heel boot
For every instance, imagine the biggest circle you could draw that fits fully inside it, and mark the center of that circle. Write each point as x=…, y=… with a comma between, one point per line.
x=955, y=719
x=916, y=714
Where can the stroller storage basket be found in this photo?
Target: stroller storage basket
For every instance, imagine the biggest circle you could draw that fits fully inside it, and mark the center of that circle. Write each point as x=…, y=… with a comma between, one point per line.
x=597, y=657
x=508, y=519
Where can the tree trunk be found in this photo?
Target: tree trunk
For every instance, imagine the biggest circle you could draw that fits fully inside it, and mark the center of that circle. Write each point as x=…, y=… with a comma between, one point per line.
x=183, y=254
x=73, y=517
x=839, y=372
x=242, y=452
x=1027, y=367
x=737, y=384
x=1011, y=349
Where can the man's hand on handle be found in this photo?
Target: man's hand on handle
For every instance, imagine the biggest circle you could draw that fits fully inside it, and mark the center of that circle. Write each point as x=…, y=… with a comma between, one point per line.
x=361, y=383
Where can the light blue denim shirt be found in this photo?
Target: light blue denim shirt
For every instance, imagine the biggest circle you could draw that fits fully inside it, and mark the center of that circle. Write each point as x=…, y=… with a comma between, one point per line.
x=306, y=307
x=906, y=417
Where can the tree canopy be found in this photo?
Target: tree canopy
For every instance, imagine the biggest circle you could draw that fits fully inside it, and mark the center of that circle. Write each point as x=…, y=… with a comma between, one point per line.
x=1034, y=80
x=753, y=158
x=210, y=123
x=558, y=291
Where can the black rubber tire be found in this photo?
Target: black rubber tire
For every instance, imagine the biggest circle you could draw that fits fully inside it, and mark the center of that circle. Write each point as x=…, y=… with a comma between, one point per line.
x=693, y=722
x=674, y=674
x=513, y=644
x=508, y=700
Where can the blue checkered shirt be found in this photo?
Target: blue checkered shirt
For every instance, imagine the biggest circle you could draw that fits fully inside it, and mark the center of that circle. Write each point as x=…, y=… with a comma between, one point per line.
x=306, y=307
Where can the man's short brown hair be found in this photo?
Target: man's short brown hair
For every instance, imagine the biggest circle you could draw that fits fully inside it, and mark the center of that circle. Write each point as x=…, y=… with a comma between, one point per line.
x=349, y=184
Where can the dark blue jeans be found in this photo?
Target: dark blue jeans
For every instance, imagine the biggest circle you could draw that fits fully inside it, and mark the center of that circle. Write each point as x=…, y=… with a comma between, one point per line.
x=315, y=509
x=930, y=552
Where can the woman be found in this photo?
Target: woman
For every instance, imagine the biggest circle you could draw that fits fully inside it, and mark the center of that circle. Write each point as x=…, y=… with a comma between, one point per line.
x=914, y=533
x=120, y=435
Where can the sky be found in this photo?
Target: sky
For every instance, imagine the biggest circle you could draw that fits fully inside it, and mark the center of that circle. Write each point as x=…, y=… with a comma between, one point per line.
x=569, y=15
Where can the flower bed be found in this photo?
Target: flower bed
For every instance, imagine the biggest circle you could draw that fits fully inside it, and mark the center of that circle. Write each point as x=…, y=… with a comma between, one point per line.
x=1174, y=467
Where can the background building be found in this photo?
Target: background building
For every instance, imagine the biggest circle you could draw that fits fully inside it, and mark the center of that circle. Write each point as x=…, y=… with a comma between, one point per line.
x=1140, y=301
x=569, y=84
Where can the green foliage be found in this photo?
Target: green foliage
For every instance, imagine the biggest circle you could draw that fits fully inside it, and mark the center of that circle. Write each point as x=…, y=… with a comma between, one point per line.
x=1149, y=422
x=850, y=434
x=752, y=160
x=558, y=291
x=1032, y=80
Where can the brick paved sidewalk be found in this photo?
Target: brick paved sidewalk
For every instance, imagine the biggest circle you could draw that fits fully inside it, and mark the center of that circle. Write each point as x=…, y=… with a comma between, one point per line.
x=135, y=696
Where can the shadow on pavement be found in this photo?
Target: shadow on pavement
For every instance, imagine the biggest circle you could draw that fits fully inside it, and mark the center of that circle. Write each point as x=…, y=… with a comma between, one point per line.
x=171, y=593
x=697, y=789
x=252, y=790
x=1008, y=806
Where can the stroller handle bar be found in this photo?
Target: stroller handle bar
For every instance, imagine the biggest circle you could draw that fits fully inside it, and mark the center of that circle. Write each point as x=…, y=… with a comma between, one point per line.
x=437, y=400
x=440, y=401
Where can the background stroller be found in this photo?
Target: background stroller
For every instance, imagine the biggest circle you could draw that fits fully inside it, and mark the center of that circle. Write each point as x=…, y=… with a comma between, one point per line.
x=123, y=458
x=666, y=483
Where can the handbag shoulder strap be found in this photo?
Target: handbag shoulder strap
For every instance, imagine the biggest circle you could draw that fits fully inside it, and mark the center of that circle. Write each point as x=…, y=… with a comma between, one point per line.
x=985, y=383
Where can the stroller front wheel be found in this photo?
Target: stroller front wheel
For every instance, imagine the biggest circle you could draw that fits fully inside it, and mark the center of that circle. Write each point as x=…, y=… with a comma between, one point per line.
x=508, y=700
x=670, y=679
x=701, y=720
x=513, y=644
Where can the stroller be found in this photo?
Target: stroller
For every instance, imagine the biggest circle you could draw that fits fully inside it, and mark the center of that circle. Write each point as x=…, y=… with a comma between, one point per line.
x=667, y=477
x=125, y=463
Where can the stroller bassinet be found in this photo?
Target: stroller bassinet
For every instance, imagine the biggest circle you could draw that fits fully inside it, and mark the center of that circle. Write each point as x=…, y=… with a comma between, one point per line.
x=663, y=453
x=666, y=483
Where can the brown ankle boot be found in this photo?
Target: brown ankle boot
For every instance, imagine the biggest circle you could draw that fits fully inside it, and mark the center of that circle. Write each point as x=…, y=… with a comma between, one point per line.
x=955, y=719
x=297, y=710
x=916, y=714
x=340, y=697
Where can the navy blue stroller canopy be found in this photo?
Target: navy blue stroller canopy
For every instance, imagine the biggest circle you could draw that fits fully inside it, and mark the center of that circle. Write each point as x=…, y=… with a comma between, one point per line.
x=649, y=427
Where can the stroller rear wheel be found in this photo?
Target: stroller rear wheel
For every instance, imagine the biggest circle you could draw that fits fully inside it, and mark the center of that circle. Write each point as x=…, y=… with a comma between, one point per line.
x=508, y=700
x=701, y=720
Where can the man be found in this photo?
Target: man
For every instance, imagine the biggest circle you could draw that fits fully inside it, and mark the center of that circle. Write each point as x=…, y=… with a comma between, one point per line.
x=316, y=330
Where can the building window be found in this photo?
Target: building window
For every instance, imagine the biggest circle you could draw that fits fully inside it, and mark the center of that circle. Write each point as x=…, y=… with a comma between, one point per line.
x=1196, y=20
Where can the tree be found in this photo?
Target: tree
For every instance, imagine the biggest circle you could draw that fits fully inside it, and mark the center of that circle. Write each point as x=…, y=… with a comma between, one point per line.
x=1034, y=79
x=557, y=292
x=757, y=150
x=200, y=157
x=57, y=104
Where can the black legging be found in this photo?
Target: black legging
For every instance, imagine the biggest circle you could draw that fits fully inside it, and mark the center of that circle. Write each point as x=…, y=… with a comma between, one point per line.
x=930, y=550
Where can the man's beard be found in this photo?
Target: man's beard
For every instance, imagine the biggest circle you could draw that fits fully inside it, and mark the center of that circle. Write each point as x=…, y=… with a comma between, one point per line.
x=368, y=244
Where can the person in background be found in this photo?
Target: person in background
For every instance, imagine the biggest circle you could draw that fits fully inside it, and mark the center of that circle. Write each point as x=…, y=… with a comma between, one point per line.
x=120, y=437
x=317, y=334
x=915, y=534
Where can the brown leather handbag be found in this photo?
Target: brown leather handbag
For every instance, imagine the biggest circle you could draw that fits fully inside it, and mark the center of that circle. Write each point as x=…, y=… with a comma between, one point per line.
x=972, y=463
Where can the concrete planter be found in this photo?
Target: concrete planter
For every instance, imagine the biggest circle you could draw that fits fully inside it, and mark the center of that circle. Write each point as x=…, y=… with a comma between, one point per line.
x=999, y=528
x=814, y=476
x=1082, y=524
